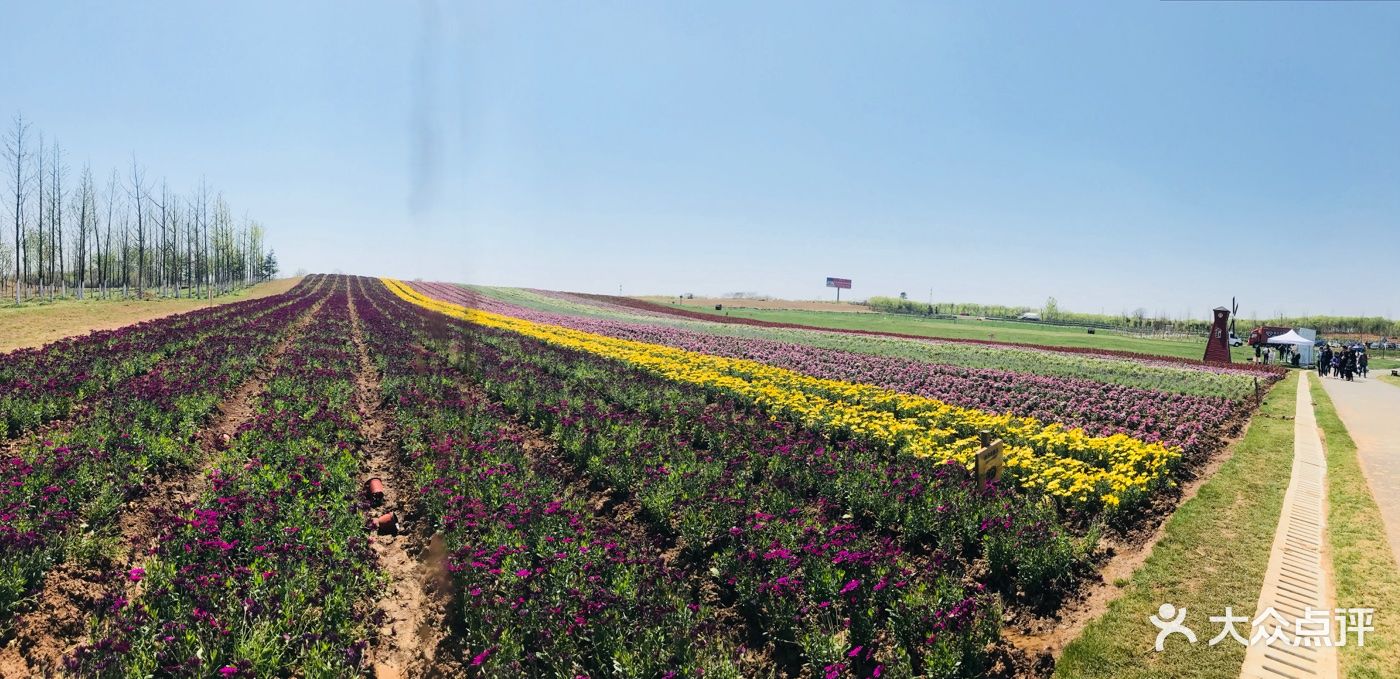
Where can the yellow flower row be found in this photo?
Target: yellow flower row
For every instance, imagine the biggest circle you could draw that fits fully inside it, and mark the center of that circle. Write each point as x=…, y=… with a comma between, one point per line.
x=1080, y=470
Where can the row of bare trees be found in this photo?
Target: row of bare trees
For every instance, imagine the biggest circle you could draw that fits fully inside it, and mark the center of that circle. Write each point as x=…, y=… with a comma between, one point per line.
x=127, y=236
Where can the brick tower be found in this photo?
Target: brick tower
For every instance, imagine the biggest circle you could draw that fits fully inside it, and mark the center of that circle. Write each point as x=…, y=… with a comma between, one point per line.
x=1218, y=347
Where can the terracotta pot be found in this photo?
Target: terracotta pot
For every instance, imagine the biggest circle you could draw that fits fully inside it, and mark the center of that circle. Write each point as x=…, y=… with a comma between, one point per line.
x=375, y=488
x=386, y=524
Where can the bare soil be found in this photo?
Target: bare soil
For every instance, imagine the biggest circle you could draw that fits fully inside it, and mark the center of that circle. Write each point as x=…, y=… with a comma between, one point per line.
x=57, y=623
x=411, y=612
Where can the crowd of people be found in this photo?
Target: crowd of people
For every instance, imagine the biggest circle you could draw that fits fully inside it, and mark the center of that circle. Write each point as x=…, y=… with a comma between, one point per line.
x=1345, y=363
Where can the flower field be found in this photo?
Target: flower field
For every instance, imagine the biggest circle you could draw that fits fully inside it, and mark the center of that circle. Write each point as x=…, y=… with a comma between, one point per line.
x=582, y=488
x=1084, y=457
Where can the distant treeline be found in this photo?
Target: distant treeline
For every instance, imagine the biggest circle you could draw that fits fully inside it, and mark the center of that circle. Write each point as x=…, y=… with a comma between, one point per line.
x=131, y=236
x=1137, y=320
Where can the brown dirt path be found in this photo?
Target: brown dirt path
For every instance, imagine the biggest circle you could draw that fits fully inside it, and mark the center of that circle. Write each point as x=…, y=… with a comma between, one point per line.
x=412, y=610
x=57, y=624
x=1370, y=409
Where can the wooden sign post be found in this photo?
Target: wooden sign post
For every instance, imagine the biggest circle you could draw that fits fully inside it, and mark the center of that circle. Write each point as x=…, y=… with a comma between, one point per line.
x=991, y=459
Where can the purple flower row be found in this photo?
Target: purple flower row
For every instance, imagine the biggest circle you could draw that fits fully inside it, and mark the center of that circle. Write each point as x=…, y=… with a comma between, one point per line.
x=266, y=573
x=85, y=473
x=42, y=384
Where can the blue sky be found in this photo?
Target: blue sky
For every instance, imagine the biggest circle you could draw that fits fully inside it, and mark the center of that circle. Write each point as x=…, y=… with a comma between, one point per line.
x=1114, y=155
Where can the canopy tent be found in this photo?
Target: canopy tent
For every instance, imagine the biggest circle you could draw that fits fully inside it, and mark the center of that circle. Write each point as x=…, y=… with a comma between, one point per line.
x=1301, y=343
x=1290, y=337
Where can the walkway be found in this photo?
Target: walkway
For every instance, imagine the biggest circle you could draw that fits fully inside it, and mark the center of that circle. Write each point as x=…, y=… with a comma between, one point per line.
x=1298, y=575
x=1370, y=409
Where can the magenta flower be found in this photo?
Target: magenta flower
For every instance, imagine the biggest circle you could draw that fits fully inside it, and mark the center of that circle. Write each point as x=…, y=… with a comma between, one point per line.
x=135, y=574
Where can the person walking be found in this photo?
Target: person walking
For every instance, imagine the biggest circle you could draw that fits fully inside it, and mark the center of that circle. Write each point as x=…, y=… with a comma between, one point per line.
x=1363, y=364
x=1324, y=366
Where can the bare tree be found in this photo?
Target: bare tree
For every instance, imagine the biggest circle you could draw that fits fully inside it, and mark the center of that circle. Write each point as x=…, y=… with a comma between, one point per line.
x=138, y=191
x=85, y=203
x=39, y=214
x=57, y=172
x=106, y=256
x=126, y=251
x=204, y=222
x=191, y=282
x=16, y=153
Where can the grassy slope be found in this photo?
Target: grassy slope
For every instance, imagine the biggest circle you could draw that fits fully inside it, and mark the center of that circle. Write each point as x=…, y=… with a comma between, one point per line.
x=37, y=323
x=1213, y=555
x=1001, y=331
x=1363, y=567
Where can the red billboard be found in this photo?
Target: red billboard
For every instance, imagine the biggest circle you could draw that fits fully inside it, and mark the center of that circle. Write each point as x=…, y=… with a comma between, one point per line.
x=843, y=283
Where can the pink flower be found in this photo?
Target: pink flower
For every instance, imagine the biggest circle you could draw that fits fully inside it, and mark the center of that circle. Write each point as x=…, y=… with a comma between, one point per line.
x=135, y=574
x=523, y=573
x=228, y=670
x=850, y=586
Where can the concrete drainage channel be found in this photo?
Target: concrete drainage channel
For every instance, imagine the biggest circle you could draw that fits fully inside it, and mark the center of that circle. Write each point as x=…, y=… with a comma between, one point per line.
x=1298, y=577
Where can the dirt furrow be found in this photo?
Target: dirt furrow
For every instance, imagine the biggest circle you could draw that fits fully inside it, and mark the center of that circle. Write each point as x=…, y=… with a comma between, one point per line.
x=71, y=591
x=411, y=612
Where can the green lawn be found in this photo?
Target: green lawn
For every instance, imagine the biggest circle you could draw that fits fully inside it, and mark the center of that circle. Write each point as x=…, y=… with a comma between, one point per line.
x=1384, y=361
x=1001, y=331
x=1213, y=554
x=1363, y=566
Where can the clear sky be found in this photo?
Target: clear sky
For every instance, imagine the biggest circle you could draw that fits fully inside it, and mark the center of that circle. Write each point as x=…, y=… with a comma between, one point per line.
x=1114, y=155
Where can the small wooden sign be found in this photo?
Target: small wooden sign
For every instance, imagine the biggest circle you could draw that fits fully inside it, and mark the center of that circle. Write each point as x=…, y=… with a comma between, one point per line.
x=990, y=461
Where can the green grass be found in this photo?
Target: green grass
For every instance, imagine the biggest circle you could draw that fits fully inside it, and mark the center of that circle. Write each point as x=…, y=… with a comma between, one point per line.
x=1364, y=569
x=967, y=328
x=1385, y=361
x=1213, y=554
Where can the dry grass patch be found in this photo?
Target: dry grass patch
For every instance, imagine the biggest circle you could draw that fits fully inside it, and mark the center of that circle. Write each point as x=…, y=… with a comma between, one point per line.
x=38, y=323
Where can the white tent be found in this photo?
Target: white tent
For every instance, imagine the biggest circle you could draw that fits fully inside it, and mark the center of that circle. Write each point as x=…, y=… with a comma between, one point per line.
x=1290, y=337
x=1302, y=345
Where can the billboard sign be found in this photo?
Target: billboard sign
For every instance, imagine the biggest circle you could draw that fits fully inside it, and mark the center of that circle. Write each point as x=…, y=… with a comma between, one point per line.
x=841, y=283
